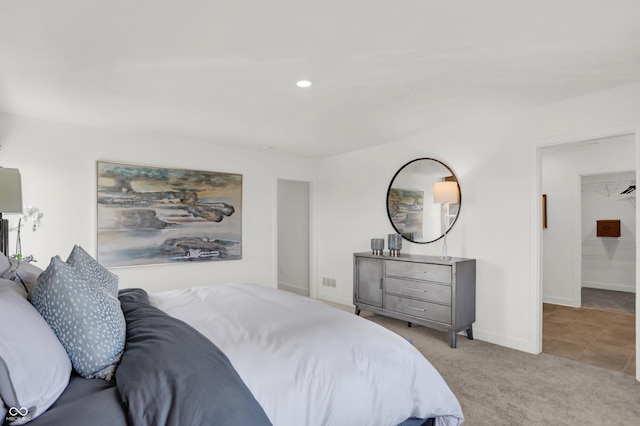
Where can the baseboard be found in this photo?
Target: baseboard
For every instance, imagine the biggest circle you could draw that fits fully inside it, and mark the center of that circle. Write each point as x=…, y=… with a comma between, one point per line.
x=506, y=341
x=559, y=301
x=293, y=289
x=607, y=286
x=330, y=298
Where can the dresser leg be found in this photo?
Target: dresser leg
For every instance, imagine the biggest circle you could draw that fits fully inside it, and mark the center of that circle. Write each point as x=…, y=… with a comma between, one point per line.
x=470, y=332
x=357, y=311
x=452, y=339
x=409, y=324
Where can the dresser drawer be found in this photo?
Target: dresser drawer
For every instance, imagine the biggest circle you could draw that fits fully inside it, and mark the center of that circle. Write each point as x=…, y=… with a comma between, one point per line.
x=424, y=290
x=418, y=308
x=419, y=271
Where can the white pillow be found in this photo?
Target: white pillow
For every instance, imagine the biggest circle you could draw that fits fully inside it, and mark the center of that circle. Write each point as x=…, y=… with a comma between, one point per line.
x=4, y=264
x=34, y=367
x=24, y=273
x=27, y=274
x=15, y=286
x=3, y=410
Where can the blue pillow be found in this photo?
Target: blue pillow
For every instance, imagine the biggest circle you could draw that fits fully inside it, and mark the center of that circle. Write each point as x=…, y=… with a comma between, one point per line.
x=85, y=317
x=89, y=268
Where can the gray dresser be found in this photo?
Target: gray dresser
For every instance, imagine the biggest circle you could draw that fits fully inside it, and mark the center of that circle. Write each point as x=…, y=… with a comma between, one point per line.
x=422, y=290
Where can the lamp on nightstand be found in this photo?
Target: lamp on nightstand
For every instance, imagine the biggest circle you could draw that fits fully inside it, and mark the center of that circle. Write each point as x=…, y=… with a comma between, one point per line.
x=10, y=202
x=445, y=193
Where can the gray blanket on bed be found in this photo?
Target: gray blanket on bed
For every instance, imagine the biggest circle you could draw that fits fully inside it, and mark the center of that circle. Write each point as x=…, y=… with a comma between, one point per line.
x=170, y=374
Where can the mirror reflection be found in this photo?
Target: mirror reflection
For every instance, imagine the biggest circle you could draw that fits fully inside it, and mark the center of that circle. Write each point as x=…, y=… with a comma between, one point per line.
x=410, y=201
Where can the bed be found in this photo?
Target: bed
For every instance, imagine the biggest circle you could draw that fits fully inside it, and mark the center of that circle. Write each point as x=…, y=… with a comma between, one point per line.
x=232, y=354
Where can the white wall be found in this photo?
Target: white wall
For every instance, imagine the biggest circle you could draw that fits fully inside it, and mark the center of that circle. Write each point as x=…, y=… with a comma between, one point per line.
x=495, y=161
x=562, y=169
x=609, y=263
x=493, y=157
x=58, y=167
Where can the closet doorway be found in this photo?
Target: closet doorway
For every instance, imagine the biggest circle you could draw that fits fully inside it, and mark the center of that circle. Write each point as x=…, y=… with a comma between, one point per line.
x=609, y=241
x=293, y=228
x=582, y=183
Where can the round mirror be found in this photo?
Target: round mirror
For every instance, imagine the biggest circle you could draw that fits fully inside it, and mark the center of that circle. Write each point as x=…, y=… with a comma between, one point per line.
x=410, y=201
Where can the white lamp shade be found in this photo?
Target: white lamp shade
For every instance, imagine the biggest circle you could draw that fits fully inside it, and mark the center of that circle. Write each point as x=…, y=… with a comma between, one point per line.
x=10, y=191
x=445, y=192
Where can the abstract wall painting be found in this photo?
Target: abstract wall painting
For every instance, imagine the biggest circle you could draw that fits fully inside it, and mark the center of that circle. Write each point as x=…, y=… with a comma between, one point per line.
x=152, y=215
x=406, y=210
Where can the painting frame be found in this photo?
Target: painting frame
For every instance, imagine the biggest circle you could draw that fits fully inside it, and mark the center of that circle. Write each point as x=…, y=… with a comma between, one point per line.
x=148, y=215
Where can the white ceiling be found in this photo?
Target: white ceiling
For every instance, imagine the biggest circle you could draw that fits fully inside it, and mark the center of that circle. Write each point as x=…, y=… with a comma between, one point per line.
x=225, y=71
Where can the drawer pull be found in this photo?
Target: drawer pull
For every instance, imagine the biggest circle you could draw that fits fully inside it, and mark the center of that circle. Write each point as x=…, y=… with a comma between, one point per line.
x=421, y=290
x=415, y=309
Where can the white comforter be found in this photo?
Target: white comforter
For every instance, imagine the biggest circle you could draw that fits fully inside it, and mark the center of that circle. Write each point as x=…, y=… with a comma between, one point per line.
x=310, y=364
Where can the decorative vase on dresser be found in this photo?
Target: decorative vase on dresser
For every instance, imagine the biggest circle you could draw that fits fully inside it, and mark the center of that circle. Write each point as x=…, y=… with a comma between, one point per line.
x=423, y=290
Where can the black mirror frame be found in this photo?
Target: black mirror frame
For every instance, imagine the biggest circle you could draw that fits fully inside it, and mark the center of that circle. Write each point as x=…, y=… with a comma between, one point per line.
x=389, y=190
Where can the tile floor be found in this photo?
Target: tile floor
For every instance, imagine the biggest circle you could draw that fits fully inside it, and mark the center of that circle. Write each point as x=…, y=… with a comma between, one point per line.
x=602, y=338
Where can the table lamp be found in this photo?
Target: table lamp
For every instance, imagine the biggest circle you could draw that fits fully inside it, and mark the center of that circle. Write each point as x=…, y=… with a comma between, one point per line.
x=10, y=202
x=445, y=193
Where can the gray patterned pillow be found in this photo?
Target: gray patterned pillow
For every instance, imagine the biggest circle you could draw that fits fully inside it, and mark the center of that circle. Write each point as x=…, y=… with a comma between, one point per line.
x=89, y=268
x=87, y=320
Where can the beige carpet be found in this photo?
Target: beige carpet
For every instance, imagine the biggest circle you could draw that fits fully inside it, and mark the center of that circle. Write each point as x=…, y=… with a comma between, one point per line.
x=501, y=386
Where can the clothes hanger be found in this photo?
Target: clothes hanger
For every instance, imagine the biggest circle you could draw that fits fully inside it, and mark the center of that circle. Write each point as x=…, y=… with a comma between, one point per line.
x=630, y=189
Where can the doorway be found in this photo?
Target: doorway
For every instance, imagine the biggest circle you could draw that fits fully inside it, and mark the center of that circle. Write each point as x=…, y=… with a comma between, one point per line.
x=293, y=234
x=572, y=255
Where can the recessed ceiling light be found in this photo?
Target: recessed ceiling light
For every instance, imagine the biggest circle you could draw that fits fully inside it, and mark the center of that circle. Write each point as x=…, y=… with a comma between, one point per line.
x=303, y=83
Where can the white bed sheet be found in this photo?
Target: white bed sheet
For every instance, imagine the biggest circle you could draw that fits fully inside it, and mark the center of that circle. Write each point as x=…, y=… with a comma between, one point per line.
x=308, y=363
